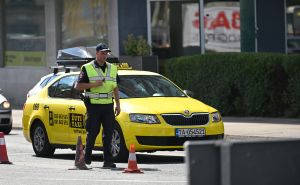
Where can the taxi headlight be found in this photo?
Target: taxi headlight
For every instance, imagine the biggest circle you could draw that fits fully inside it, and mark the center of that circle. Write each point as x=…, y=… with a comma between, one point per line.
x=144, y=118
x=6, y=105
x=216, y=117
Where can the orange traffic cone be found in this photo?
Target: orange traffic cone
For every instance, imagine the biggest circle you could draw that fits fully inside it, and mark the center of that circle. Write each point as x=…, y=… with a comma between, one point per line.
x=3, y=152
x=79, y=157
x=132, y=164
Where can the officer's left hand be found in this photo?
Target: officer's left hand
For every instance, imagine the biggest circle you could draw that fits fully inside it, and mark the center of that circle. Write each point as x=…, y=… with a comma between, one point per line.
x=117, y=110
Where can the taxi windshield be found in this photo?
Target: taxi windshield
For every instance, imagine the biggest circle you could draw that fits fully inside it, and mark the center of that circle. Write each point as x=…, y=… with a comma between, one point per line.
x=142, y=86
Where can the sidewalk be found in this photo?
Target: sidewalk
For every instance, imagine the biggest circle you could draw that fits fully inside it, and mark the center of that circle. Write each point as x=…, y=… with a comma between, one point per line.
x=235, y=126
x=262, y=120
x=17, y=118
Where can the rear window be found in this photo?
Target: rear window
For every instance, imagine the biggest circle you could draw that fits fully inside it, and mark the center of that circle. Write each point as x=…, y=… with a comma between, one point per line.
x=47, y=80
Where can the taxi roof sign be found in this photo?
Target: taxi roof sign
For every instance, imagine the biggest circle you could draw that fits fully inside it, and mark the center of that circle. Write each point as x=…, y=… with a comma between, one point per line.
x=122, y=65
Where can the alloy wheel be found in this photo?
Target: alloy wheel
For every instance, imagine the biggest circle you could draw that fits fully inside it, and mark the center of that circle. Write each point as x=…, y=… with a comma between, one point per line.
x=115, y=143
x=39, y=139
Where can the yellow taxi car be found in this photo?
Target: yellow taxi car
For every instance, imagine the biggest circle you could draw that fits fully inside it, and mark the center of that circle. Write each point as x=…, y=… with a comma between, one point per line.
x=155, y=115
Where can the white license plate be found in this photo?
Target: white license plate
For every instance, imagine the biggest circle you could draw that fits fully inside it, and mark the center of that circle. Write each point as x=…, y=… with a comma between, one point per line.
x=190, y=132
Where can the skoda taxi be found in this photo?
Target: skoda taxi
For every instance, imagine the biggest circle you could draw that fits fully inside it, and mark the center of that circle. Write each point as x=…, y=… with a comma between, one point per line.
x=155, y=115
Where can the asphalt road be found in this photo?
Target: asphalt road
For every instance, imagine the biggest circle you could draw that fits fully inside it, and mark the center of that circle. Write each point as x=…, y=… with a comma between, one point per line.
x=159, y=167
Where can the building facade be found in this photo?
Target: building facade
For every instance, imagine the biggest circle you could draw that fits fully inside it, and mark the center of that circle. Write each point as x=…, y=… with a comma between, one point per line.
x=32, y=31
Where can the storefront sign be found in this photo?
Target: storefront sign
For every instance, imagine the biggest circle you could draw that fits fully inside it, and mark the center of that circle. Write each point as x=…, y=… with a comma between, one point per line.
x=221, y=24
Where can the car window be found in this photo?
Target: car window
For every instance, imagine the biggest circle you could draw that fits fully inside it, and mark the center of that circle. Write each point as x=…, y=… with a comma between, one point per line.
x=64, y=88
x=140, y=86
x=42, y=83
x=47, y=80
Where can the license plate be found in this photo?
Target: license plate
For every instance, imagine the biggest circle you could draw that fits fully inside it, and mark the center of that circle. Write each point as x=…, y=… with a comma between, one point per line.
x=190, y=132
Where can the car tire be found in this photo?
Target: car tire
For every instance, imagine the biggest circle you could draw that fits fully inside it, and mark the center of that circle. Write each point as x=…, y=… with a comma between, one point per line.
x=118, y=147
x=7, y=130
x=40, y=142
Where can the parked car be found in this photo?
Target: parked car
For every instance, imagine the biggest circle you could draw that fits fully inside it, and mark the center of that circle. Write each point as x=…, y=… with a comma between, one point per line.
x=5, y=114
x=155, y=115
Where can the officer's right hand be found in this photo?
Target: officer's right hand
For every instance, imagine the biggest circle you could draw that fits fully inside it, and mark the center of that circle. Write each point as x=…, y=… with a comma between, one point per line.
x=98, y=83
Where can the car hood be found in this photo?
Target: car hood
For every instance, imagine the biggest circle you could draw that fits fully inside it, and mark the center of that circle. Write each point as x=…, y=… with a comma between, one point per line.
x=162, y=105
x=2, y=98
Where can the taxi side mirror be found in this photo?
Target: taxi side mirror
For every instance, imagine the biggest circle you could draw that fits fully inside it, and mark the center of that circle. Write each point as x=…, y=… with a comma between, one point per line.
x=189, y=93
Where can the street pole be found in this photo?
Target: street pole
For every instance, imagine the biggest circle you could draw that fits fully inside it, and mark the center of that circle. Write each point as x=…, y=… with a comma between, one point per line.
x=201, y=28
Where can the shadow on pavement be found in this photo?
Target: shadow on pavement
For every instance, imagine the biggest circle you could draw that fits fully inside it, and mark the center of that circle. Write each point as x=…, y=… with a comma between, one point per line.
x=141, y=158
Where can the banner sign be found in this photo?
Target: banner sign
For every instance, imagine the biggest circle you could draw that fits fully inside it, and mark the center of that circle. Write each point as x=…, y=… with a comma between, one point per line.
x=221, y=26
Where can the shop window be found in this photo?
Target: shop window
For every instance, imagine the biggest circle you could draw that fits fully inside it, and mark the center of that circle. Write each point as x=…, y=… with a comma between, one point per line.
x=221, y=25
x=25, y=33
x=160, y=24
x=84, y=22
x=293, y=26
x=175, y=27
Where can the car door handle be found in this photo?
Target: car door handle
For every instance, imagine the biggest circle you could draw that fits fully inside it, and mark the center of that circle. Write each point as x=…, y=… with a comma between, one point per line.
x=46, y=107
x=71, y=108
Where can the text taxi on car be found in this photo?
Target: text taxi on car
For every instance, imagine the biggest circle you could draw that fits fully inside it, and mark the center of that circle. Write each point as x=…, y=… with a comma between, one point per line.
x=155, y=113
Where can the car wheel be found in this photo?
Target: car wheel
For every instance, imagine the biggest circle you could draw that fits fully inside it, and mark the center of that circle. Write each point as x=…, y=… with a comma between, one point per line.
x=118, y=147
x=40, y=142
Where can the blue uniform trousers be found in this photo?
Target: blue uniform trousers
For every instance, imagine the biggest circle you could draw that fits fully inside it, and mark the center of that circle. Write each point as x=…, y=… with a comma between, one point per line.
x=97, y=115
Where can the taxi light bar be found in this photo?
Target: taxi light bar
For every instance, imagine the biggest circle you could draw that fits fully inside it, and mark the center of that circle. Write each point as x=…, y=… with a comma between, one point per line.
x=122, y=65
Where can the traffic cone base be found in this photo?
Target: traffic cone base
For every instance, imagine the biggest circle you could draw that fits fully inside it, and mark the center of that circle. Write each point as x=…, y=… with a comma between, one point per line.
x=132, y=164
x=132, y=171
x=3, y=151
x=79, y=157
x=5, y=162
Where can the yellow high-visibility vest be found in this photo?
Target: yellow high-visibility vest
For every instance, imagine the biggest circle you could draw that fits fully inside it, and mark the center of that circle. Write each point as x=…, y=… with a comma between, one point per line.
x=101, y=94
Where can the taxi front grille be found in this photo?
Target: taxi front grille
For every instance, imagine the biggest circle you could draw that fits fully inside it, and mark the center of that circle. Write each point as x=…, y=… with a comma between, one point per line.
x=182, y=120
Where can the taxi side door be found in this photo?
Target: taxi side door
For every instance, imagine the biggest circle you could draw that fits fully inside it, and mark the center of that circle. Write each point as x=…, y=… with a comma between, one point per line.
x=60, y=106
x=77, y=118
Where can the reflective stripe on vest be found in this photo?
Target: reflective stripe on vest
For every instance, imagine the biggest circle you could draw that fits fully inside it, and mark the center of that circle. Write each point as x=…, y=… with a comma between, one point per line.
x=102, y=78
x=101, y=94
x=98, y=95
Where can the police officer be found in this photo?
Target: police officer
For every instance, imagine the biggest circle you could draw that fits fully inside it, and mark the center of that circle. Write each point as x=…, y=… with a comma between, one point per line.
x=98, y=79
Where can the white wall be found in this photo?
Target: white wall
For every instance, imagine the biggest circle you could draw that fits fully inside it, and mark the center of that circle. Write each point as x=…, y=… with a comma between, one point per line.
x=15, y=82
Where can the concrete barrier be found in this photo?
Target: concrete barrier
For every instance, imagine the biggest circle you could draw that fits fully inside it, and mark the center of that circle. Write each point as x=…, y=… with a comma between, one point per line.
x=203, y=162
x=271, y=162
